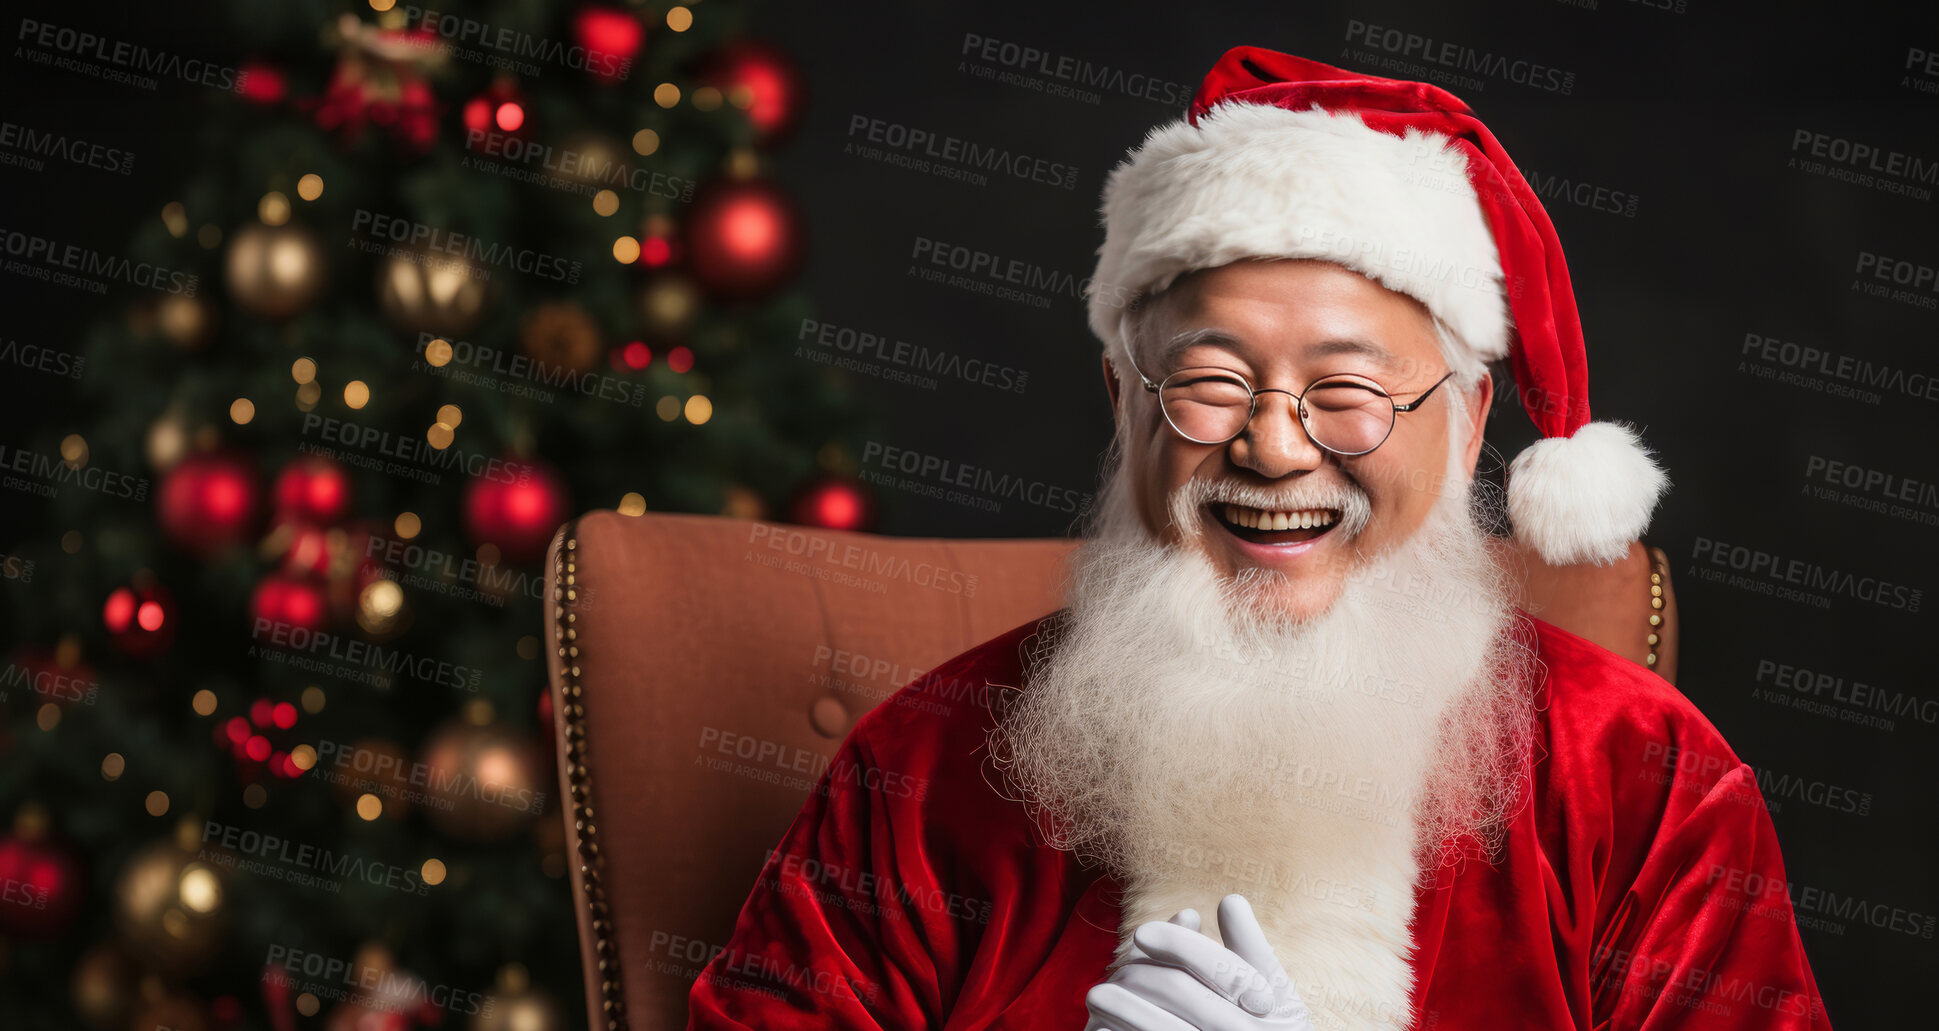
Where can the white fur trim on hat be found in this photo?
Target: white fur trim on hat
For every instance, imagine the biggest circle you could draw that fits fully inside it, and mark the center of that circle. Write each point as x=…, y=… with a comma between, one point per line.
x=1261, y=181
x=1584, y=498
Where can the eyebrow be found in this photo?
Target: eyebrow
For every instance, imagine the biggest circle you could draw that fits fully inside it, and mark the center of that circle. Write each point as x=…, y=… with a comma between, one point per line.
x=1323, y=349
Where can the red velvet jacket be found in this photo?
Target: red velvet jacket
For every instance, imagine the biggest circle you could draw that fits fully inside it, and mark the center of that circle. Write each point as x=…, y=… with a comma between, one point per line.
x=1643, y=888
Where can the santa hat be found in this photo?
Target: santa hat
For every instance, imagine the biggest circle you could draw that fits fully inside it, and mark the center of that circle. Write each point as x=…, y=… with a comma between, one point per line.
x=1282, y=157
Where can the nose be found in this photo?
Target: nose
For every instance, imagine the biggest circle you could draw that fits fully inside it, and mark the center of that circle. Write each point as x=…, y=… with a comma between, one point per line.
x=1274, y=443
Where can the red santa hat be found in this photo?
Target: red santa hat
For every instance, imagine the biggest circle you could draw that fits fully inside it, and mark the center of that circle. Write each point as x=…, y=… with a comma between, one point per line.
x=1282, y=157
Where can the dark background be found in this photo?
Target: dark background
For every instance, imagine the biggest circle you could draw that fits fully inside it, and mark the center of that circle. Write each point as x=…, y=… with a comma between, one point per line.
x=1691, y=112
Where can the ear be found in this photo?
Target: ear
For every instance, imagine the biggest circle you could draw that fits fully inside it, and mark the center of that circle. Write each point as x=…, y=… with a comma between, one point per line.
x=1484, y=398
x=1111, y=384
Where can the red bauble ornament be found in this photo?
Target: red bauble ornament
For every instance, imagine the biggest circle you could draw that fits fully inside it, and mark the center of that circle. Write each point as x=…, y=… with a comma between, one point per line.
x=772, y=80
x=380, y=80
x=208, y=502
x=140, y=618
x=262, y=83
x=516, y=508
x=743, y=240
x=313, y=489
x=500, y=109
x=44, y=886
x=282, y=603
x=836, y=503
x=611, y=39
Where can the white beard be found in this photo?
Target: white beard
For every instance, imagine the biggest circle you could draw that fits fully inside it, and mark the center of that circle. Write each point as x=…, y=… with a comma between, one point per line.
x=1197, y=745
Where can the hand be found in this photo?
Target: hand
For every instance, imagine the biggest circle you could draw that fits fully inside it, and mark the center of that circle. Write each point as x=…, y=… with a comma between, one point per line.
x=1180, y=980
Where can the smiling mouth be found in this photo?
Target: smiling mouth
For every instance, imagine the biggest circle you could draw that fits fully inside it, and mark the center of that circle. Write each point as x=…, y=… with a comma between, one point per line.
x=1274, y=526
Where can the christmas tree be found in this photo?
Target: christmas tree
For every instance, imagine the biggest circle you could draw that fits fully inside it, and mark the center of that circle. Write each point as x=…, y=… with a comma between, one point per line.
x=278, y=750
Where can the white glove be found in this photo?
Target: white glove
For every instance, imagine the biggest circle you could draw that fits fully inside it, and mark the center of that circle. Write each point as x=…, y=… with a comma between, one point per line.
x=1178, y=979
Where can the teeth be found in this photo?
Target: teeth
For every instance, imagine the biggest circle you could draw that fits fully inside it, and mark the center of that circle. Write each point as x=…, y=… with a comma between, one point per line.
x=1288, y=519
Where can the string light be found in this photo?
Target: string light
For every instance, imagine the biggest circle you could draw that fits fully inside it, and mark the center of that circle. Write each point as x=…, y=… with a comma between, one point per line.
x=645, y=142
x=679, y=19
x=241, y=410
x=666, y=94
x=356, y=393
x=605, y=202
x=310, y=187
x=273, y=209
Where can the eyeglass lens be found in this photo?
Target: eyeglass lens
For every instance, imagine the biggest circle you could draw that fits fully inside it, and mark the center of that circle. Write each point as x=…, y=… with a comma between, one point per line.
x=1344, y=415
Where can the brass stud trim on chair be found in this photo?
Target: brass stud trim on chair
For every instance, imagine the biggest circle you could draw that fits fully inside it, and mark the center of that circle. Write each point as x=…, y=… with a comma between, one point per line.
x=1656, y=603
x=579, y=781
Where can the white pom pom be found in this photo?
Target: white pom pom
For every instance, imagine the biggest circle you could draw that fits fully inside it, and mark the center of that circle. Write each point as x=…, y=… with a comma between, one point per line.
x=1584, y=498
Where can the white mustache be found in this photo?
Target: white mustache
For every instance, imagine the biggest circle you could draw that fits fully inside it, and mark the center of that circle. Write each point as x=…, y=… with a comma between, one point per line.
x=1355, y=509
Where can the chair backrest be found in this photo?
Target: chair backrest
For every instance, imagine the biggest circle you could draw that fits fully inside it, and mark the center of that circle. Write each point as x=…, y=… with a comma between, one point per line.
x=704, y=669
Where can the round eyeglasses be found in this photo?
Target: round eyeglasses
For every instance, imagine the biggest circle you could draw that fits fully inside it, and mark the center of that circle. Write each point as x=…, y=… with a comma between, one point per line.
x=1346, y=414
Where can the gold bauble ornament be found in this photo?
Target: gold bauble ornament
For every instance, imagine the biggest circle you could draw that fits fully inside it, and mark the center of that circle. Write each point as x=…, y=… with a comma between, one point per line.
x=171, y=907
x=103, y=988
x=743, y=503
x=598, y=161
x=186, y=321
x=275, y=271
x=669, y=303
x=423, y=292
x=487, y=782
x=562, y=336
x=515, y=1005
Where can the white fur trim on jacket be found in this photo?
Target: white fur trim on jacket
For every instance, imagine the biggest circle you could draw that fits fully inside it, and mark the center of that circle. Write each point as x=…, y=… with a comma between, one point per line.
x=1261, y=181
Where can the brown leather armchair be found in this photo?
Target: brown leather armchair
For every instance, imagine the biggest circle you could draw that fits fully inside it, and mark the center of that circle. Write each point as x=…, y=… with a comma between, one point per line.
x=704, y=670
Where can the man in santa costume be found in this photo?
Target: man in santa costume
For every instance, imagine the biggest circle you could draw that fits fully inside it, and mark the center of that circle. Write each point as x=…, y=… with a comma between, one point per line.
x=1290, y=757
